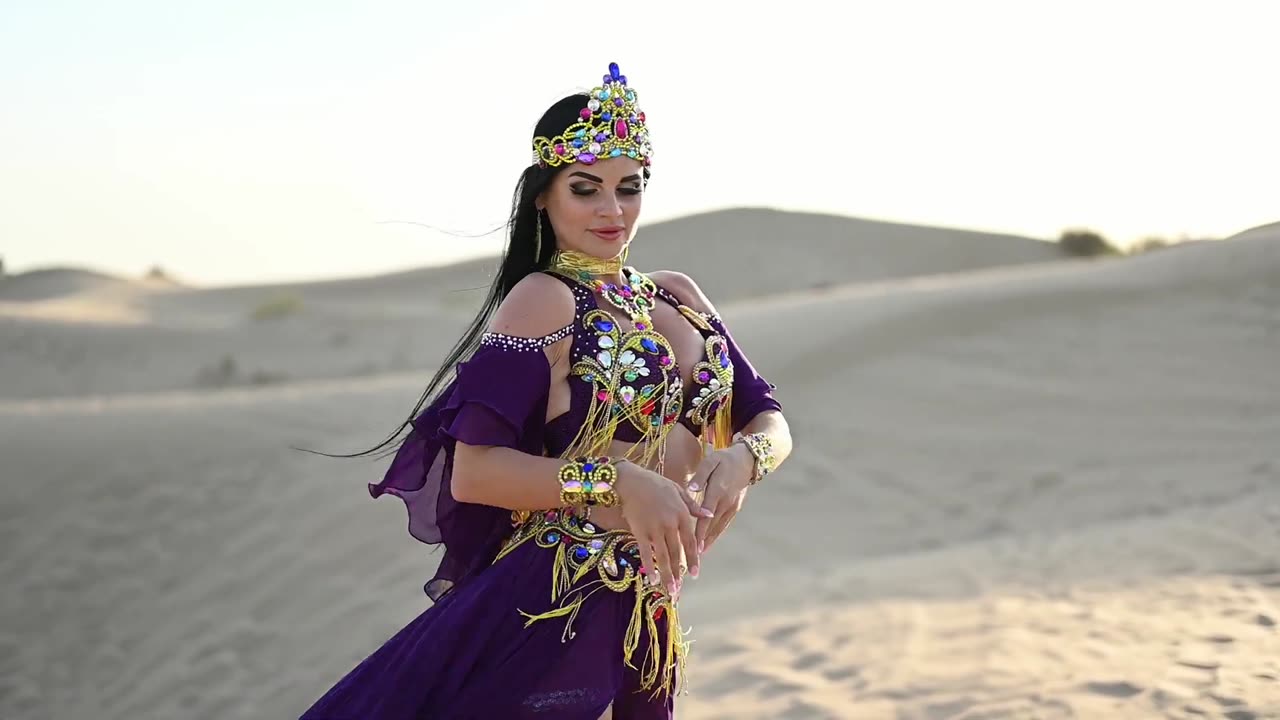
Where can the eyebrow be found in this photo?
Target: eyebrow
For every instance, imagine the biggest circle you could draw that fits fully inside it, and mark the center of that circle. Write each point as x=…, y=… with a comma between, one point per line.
x=589, y=176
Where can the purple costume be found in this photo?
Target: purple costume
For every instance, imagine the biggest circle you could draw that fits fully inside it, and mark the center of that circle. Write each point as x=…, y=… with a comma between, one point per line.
x=536, y=615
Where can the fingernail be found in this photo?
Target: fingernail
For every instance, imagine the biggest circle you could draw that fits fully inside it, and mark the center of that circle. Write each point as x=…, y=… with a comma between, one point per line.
x=707, y=513
x=694, y=572
x=702, y=546
x=695, y=487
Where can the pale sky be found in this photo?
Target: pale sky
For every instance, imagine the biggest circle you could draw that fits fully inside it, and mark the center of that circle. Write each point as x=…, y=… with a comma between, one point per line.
x=255, y=141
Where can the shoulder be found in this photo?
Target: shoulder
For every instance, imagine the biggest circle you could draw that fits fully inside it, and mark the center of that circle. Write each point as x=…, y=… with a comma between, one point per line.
x=538, y=306
x=685, y=290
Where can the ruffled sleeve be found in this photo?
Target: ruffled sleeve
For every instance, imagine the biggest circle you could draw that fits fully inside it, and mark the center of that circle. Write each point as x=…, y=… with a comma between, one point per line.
x=498, y=398
x=752, y=393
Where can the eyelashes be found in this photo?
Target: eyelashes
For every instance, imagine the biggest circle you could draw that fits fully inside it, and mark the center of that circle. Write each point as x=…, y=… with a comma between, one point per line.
x=585, y=192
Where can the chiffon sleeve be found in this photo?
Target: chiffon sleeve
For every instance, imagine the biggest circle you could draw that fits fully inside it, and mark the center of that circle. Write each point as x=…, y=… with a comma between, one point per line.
x=498, y=398
x=752, y=393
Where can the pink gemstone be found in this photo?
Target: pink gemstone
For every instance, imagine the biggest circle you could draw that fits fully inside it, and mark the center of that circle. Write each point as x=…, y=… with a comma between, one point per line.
x=626, y=292
x=620, y=129
x=602, y=395
x=572, y=485
x=703, y=376
x=603, y=487
x=585, y=113
x=559, y=148
x=639, y=326
x=665, y=360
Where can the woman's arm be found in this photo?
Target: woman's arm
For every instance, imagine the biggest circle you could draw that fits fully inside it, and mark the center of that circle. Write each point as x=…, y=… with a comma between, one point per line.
x=726, y=473
x=504, y=476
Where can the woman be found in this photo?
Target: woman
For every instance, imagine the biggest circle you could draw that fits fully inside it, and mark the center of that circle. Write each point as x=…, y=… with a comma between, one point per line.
x=600, y=434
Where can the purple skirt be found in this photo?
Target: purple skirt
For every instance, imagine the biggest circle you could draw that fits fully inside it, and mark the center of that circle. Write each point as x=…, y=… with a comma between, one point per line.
x=560, y=625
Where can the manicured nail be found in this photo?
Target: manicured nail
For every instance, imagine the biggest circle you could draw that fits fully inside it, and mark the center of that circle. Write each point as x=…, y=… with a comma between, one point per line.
x=694, y=572
x=695, y=487
x=702, y=546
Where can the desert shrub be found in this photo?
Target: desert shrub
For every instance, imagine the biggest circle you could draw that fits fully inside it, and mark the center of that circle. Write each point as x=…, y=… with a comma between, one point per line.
x=1147, y=244
x=1085, y=243
x=276, y=307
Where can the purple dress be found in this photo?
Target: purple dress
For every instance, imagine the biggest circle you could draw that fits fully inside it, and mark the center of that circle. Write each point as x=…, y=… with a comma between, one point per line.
x=536, y=615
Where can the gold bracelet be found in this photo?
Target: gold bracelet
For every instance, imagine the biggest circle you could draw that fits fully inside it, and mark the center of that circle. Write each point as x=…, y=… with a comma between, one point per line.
x=585, y=482
x=761, y=448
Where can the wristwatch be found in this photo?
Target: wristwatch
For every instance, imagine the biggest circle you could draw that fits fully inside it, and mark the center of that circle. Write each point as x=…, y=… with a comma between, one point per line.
x=762, y=450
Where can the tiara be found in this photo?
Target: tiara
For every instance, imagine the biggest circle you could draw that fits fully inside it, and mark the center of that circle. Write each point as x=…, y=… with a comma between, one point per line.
x=611, y=125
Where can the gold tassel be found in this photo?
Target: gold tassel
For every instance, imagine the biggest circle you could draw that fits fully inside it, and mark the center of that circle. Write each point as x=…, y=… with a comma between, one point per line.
x=722, y=424
x=570, y=609
x=559, y=573
x=632, y=639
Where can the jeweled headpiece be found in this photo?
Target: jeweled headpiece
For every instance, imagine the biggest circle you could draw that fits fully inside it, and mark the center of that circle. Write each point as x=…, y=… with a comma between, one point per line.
x=611, y=125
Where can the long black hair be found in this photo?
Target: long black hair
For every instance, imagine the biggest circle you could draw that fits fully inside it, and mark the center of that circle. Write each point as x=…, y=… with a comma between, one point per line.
x=518, y=259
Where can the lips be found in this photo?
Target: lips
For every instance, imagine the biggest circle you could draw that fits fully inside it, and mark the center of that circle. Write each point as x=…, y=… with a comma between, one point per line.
x=612, y=232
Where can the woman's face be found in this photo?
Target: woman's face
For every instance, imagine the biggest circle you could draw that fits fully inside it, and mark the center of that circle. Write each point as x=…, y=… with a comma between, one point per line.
x=594, y=208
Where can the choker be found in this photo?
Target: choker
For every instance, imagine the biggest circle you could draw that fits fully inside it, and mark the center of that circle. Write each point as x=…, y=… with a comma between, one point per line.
x=574, y=263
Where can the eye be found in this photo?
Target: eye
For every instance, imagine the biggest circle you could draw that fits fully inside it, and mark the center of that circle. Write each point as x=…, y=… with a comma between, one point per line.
x=582, y=190
x=629, y=190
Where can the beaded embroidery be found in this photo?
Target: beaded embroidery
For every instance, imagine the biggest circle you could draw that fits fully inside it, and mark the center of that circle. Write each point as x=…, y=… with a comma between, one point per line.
x=590, y=559
x=524, y=344
x=714, y=376
x=624, y=389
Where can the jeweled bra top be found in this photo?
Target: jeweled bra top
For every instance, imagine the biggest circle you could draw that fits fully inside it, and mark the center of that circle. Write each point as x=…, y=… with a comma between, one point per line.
x=633, y=374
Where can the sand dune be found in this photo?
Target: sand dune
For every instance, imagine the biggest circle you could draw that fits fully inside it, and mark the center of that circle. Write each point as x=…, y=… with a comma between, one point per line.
x=70, y=332
x=1042, y=491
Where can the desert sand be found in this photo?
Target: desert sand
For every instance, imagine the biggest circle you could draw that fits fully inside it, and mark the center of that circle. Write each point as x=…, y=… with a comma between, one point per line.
x=1023, y=486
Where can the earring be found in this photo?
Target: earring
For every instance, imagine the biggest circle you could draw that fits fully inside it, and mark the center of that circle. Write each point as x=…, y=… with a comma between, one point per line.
x=537, y=237
x=625, y=249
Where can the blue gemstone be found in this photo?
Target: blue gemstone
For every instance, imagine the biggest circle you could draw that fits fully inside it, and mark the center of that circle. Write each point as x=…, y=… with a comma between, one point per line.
x=649, y=345
x=724, y=361
x=606, y=116
x=622, y=561
x=615, y=152
x=633, y=117
x=603, y=94
x=613, y=71
x=631, y=153
x=580, y=133
x=588, y=467
x=553, y=537
x=580, y=553
x=622, y=79
x=604, y=325
x=606, y=79
x=601, y=137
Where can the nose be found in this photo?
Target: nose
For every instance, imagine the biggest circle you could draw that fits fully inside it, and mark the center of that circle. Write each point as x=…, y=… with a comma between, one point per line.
x=610, y=205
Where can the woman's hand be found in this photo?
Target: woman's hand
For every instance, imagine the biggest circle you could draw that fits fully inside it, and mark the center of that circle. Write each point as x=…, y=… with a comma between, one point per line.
x=725, y=473
x=660, y=515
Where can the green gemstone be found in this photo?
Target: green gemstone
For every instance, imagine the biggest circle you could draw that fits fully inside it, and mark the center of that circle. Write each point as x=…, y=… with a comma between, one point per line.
x=631, y=375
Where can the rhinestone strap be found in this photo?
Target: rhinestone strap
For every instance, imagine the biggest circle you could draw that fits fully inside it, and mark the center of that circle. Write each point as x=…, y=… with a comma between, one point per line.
x=524, y=344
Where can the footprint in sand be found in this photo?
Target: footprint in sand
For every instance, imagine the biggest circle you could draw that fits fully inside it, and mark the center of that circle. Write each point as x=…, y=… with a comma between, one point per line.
x=1118, y=689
